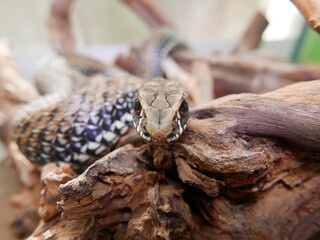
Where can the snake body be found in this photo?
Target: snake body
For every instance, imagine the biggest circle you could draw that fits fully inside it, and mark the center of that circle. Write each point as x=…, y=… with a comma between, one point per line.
x=86, y=124
x=148, y=58
x=80, y=128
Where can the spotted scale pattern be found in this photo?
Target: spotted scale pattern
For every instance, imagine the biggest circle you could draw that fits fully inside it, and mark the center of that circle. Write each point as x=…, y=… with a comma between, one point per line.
x=150, y=55
x=80, y=128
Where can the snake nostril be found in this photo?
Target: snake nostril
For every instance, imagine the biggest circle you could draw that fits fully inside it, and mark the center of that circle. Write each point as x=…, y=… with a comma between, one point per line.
x=146, y=134
x=170, y=135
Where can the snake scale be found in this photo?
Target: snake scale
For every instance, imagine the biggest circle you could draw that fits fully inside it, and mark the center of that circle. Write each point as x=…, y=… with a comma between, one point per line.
x=85, y=125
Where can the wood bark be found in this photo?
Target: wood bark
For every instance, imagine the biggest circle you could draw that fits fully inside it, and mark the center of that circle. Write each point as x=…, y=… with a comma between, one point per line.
x=310, y=10
x=16, y=92
x=243, y=64
x=60, y=27
x=249, y=72
x=148, y=11
x=252, y=36
x=190, y=81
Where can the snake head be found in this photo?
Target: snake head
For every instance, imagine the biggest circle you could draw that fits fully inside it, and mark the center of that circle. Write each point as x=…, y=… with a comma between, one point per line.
x=160, y=111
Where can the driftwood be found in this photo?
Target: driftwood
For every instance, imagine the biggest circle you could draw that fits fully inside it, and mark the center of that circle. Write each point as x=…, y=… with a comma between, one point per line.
x=202, y=71
x=148, y=11
x=15, y=92
x=60, y=27
x=249, y=64
x=190, y=81
x=310, y=10
x=247, y=167
x=252, y=36
x=248, y=72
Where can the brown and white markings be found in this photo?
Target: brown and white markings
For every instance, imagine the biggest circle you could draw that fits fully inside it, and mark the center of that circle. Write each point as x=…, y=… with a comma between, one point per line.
x=80, y=128
x=148, y=58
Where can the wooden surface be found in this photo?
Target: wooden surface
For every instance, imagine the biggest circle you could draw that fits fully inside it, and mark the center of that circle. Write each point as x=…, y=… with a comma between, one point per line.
x=15, y=93
x=310, y=10
x=9, y=186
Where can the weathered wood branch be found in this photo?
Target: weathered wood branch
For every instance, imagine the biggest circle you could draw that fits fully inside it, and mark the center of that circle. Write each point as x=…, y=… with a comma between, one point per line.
x=282, y=113
x=266, y=216
x=310, y=10
x=191, y=83
x=125, y=190
x=252, y=36
x=202, y=71
x=14, y=90
x=60, y=27
x=227, y=82
x=148, y=11
x=239, y=73
x=14, y=93
x=243, y=64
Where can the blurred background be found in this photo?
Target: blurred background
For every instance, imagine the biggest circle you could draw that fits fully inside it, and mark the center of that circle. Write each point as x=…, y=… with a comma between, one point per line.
x=103, y=28
x=101, y=22
x=208, y=25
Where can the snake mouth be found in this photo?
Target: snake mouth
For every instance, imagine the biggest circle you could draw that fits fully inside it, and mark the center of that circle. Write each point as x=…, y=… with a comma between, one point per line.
x=160, y=141
x=159, y=133
x=172, y=137
x=145, y=136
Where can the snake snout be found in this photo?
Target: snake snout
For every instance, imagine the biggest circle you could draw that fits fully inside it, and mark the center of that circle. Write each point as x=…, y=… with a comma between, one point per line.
x=161, y=133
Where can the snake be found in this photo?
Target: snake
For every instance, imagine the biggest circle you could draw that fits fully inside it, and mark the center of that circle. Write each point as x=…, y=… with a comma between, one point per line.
x=85, y=125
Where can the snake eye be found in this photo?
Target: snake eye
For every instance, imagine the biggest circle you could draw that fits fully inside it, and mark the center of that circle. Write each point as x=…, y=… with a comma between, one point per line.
x=137, y=106
x=184, y=108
